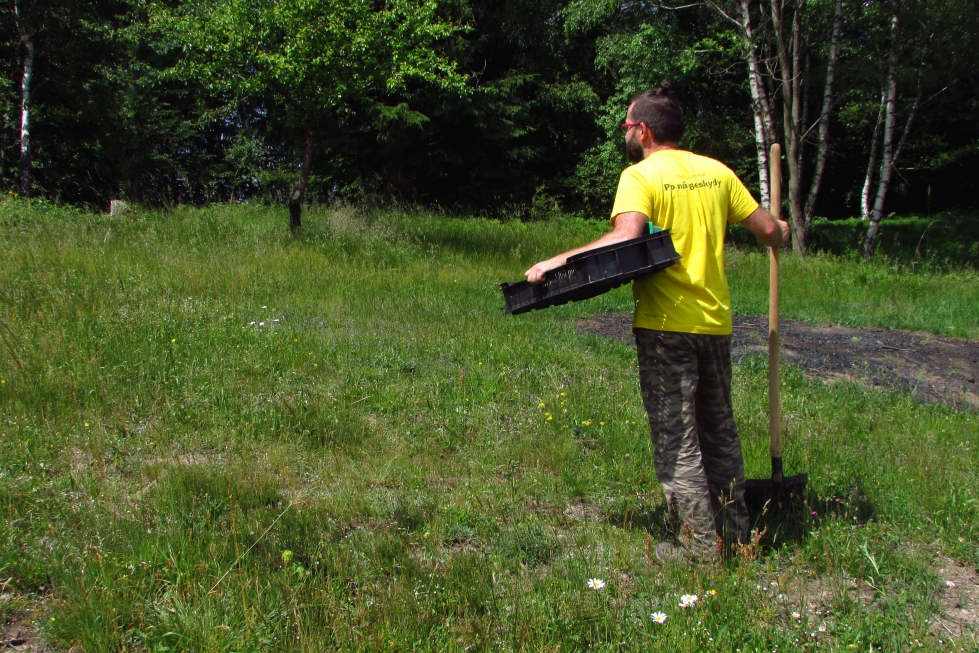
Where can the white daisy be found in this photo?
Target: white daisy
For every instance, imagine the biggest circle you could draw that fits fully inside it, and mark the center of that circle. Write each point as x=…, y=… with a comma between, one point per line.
x=596, y=583
x=658, y=617
x=688, y=600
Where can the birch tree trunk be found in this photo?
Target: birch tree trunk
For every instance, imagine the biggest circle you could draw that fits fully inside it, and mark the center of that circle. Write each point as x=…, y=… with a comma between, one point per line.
x=823, y=144
x=760, y=105
x=761, y=151
x=296, y=200
x=877, y=213
x=27, y=48
x=740, y=15
x=868, y=181
x=887, y=159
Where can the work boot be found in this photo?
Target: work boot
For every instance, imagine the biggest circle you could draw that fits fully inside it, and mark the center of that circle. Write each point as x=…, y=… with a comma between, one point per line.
x=668, y=554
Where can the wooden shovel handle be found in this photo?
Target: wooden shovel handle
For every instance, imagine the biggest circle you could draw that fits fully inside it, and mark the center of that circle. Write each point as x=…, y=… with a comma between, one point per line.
x=774, y=406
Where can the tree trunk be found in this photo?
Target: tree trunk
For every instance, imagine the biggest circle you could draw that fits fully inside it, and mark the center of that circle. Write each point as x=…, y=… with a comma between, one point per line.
x=740, y=15
x=868, y=181
x=296, y=200
x=887, y=160
x=3, y=168
x=760, y=105
x=801, y=241
x=27, y=47
x=761, y=151
x=822, y=148
x=914, y=108
x=790, y=60
x=877, y=214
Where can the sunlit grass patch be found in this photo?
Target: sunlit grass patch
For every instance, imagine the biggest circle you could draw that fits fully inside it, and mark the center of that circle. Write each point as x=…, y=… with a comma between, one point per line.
x=220, y=436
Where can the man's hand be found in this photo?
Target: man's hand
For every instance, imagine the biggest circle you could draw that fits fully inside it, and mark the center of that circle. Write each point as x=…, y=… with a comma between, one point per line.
x=786, y=232
x=536, y=273
x=626, y=226
x=769, y=231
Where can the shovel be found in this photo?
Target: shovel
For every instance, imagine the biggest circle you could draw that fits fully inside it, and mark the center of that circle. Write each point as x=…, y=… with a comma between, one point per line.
x=779, y=490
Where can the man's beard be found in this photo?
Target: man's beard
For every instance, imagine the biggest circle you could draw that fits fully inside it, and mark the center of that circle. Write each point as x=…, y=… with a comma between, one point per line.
x=633, y=150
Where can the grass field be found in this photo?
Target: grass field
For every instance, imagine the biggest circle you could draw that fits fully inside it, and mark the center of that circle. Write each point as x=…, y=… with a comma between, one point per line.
x=215, y=436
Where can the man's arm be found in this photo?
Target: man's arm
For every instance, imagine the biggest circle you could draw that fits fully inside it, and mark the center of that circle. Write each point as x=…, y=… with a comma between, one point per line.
x=627, y=225
x=769, y=231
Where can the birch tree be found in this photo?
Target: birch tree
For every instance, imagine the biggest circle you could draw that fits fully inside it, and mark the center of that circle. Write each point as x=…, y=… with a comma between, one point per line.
x=868, y=182
x=778, y=56
x=887, y=158
x=27, y=61
x=891, y=145
x=740, y=15
x=822, y=139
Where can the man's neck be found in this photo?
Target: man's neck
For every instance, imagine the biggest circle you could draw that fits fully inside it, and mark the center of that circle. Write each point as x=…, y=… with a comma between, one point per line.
x=658, y=147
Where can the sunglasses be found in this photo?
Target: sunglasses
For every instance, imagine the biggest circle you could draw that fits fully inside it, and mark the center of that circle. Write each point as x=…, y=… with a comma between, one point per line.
x=626, y=126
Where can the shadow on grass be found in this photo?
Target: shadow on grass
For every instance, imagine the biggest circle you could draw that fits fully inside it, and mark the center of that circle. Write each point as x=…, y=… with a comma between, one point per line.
x=655, y=521
x=788, y=524
x=778, y=527
x=791, y=521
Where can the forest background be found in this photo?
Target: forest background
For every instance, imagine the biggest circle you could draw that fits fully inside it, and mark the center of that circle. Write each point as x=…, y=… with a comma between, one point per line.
x=504, y=108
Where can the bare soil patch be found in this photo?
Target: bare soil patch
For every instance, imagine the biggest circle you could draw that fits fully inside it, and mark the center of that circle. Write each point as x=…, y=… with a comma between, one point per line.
x=20, y=632
x=934, y=369
x=584, y=511
x=960, y=601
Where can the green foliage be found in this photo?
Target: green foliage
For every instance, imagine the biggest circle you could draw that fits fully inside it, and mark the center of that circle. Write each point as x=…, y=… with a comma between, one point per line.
x=305, y=67
x=496, y=109
x=319, y=56
x=694, y=51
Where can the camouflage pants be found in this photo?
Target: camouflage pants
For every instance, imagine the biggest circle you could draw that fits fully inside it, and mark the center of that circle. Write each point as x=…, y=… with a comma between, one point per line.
x=686, y=387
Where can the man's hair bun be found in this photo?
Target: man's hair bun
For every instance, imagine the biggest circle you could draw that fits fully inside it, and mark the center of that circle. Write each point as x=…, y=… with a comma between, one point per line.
x=661, y=111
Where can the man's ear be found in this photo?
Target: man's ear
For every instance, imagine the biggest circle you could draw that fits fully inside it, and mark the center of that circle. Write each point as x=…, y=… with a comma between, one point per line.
x=646, y=136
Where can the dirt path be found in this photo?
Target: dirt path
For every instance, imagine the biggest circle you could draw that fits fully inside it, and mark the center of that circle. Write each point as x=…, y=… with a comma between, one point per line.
x=935, y=369
x=20, y=632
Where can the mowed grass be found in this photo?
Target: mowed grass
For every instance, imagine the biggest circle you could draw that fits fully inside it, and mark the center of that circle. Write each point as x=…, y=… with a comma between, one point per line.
x=215, y=436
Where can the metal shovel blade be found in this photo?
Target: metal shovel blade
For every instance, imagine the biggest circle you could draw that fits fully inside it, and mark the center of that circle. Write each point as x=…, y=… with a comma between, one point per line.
x=759, y=492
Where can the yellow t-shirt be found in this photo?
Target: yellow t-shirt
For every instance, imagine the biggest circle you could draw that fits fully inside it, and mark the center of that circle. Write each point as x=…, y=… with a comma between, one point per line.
x=695, y=198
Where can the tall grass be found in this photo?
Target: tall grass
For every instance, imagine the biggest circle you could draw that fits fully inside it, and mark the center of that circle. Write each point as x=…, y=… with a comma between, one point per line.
x=854, y=292
x=217, y=436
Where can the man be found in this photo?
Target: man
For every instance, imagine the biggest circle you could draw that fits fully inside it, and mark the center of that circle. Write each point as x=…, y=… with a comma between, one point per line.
x=682, y=321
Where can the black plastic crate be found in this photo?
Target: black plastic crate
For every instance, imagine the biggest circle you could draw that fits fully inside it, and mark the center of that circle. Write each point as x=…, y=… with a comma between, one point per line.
x=592, y=273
